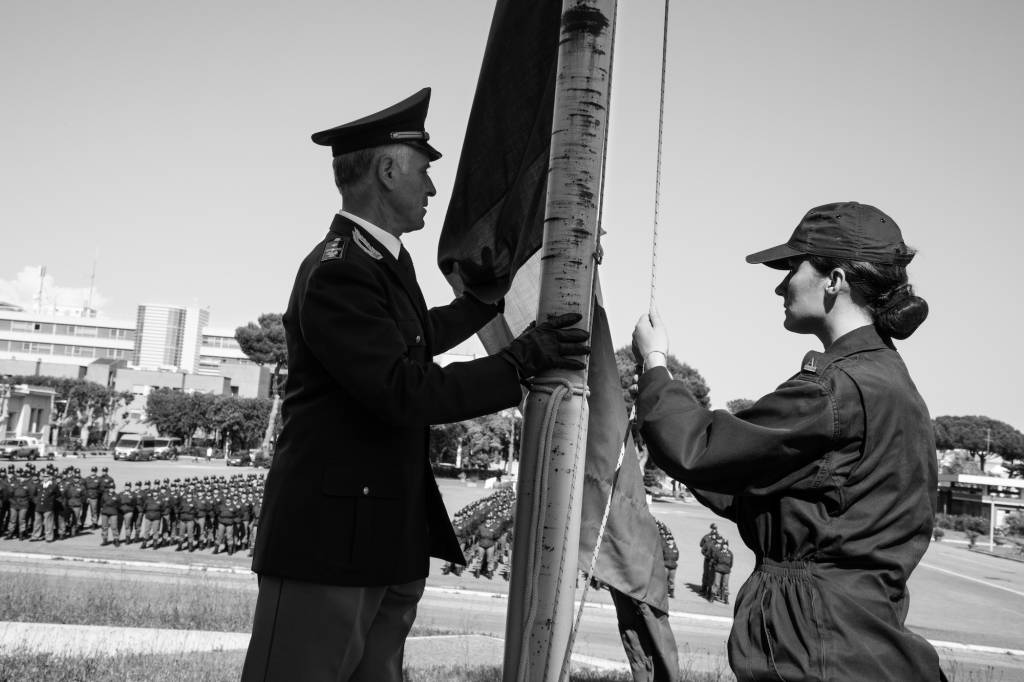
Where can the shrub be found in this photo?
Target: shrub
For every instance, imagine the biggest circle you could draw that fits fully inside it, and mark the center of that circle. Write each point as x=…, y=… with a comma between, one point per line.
x=938, y=534
x=1015, y=524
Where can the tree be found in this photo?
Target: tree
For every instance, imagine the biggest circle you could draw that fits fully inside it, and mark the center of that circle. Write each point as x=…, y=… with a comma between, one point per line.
x=242, y=421
x=445, y=440
x=680, y=370
x=264, y=343
x=980, y=436
x=737, y=404
x=690, y=377
x=84, y=403
x=178, y=414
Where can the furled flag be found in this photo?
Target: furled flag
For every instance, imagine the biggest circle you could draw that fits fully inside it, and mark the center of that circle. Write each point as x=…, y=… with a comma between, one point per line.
x=490, y=245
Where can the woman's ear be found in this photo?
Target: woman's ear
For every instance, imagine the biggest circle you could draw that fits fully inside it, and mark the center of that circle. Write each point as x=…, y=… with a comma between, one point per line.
x=836, y=282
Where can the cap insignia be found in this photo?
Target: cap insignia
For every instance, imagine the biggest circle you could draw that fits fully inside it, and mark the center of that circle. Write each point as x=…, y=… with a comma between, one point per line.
x=361, y=242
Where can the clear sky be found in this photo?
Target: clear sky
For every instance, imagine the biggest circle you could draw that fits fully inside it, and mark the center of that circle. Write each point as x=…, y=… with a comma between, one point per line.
x=170, y=142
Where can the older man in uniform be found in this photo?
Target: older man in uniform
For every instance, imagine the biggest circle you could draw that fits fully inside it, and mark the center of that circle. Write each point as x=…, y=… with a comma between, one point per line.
x=351, y=511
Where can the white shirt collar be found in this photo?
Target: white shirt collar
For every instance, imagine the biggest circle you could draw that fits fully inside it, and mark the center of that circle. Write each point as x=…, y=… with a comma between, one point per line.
x=389, y=241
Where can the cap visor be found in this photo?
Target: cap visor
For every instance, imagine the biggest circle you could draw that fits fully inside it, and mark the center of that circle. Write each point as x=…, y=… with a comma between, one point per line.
x=775, y=257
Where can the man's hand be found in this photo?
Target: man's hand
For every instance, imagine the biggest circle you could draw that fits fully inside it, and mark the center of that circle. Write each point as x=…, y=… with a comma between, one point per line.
x=548, y=345
x=650, y=341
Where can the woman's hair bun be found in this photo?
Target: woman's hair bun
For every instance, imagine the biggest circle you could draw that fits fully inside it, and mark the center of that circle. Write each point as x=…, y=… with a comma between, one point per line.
x=900, y=313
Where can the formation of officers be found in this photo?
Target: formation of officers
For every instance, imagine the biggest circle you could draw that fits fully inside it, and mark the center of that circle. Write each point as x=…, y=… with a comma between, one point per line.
x=50, y=504
x=717, y=559
x=484, y=529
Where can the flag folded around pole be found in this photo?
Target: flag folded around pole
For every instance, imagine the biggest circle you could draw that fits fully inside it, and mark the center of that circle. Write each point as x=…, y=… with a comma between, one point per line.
x=490, y=245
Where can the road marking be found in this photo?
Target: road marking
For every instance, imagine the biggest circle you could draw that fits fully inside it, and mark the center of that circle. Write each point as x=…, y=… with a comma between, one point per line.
x=973, y=580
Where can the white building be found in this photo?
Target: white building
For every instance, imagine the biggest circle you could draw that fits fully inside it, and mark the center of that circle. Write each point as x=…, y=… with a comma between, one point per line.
x=163, y=338
x=168, y=337
x=64, y=339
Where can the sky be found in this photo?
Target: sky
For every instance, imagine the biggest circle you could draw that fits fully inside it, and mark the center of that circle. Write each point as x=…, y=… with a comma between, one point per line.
x=168, y=144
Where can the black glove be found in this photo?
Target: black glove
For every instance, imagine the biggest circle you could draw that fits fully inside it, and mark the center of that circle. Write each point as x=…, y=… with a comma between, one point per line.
x=547, y=346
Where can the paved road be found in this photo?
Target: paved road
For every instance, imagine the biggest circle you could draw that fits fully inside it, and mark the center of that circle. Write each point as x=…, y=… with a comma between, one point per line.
x=970, y=600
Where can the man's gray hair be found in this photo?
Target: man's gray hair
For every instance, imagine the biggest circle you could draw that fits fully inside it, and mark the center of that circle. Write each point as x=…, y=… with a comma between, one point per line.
x=352, y=168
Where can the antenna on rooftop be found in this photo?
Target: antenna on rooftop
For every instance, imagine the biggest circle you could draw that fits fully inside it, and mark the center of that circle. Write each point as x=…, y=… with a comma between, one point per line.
x=92, y=283
x=42, y=277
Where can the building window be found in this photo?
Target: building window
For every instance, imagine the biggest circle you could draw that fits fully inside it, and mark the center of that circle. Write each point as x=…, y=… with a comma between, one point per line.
x=18, y=326
x=85, y=331
x=35, y=421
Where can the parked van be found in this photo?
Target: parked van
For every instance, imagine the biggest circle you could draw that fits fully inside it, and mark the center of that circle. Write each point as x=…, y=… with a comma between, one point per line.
x=135, y=448
x=162, y=447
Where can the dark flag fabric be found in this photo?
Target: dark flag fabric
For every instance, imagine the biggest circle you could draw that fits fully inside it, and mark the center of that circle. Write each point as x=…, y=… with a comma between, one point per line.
x=490, y=245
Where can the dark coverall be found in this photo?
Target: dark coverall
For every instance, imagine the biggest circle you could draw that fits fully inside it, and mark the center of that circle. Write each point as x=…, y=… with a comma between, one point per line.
x=830, y=480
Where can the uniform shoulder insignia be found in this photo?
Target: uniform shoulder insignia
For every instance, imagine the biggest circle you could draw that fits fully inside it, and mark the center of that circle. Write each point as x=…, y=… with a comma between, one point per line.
x=812, y=362
x=361, y=242
x=334, y=249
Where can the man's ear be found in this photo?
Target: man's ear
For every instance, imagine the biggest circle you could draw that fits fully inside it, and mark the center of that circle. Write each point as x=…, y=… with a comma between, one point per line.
x=386, y=168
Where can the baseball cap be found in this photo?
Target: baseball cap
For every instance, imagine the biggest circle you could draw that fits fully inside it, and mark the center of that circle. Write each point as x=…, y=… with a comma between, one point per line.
x=847, y=230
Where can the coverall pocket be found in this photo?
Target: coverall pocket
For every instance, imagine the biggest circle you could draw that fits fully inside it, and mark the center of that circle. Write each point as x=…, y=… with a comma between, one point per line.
x=791, y=635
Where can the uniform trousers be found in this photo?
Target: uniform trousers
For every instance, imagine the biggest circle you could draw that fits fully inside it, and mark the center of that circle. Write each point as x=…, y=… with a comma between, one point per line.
x=94, y=507
x=125, y=521
x=43, y=524
x=108, y=523
x=329, y=633
x=18, y=521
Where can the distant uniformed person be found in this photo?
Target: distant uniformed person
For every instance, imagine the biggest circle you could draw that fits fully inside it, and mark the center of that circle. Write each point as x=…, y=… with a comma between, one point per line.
x=670, y=552
x=126, y=503
x=17, y=525
x=153, y=513
x=45, y=498
x=108, y=508
x=707, y=544
x=723, y=567
x=92, y=496
x=361, y=378
x=5, y=499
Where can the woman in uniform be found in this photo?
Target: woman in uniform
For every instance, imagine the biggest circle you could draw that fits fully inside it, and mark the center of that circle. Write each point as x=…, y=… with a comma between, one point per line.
x=830, y=478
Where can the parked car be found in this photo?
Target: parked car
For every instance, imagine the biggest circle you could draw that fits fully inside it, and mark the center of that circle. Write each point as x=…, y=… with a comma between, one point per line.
x=135, y=448
x=239, y=458
x=13, y=448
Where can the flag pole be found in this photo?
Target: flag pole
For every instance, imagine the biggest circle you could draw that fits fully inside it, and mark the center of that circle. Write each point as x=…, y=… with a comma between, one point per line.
x=547, y=523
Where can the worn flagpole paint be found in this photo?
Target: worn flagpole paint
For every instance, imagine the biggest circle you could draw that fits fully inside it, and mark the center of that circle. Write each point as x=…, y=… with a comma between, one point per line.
x=547, y=524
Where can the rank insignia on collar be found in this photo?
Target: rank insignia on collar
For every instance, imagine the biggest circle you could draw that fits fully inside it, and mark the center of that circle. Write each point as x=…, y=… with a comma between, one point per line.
x=361, y=242
x=811, y=363
x=334, y=249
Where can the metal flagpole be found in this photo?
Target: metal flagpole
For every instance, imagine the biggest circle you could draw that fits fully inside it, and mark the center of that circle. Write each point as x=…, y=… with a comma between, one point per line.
x=547, y=523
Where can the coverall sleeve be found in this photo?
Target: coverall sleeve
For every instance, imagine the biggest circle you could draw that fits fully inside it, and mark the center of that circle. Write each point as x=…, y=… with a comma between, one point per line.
x=777, y=444
x=347, y=323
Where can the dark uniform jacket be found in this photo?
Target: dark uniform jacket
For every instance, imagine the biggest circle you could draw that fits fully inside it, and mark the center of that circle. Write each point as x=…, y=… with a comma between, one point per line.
x=830, y=479
x=350, y=498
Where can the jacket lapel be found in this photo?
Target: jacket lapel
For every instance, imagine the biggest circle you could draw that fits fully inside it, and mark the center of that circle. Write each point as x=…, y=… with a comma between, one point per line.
x=343, y=226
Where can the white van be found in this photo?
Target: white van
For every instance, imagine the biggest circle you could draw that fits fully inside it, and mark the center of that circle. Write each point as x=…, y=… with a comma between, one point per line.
x=134, y=447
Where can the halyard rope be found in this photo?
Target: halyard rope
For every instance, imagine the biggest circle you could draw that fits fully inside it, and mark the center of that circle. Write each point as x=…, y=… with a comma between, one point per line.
x=632, y=416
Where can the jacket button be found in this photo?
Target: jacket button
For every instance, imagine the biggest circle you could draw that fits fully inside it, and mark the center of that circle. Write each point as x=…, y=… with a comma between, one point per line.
x=418, y=338
x=366, y=491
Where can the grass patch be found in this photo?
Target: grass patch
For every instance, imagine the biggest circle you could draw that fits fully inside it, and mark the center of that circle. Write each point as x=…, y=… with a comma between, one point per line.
x=216, y=667
x=195, y=603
